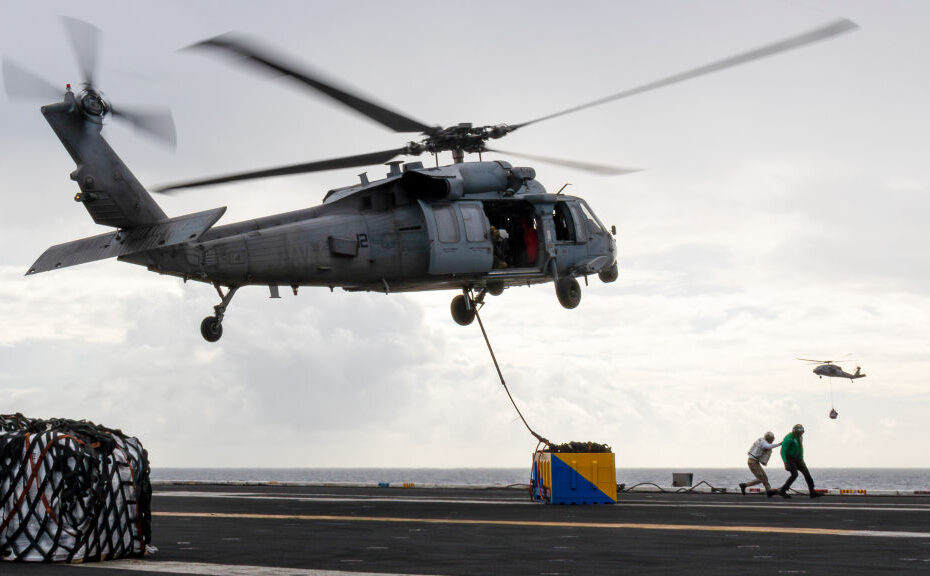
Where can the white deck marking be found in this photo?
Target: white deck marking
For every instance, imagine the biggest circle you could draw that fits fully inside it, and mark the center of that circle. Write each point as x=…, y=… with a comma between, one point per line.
x=205, y=569
x=890, y=534
x=777, y=504
x=330, y=498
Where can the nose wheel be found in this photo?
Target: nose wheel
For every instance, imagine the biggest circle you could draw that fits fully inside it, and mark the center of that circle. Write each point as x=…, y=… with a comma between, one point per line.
x=212, y=326
x=609, y=274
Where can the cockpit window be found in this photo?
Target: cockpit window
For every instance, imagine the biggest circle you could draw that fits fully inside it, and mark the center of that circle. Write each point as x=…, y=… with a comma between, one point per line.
x=589, y=215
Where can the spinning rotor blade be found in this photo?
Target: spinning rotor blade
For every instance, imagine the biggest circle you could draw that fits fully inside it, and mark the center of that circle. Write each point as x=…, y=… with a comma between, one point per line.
x=317, y=166
x=816, y=361
x=462, y=137
x=820, y=34
x=85, y=38
x=21, y=83
x=156, y=123
x=602, y=169
x=259, y=57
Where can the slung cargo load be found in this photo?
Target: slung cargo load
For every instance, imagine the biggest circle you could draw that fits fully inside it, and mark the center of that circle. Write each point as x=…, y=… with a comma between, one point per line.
x=561, y=475
x=71, y=492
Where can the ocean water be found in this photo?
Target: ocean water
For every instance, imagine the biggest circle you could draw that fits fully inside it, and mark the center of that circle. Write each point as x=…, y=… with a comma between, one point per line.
x=905, y=479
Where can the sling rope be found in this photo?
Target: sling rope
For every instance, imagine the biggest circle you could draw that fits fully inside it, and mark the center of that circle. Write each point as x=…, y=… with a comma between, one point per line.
x=503, y=383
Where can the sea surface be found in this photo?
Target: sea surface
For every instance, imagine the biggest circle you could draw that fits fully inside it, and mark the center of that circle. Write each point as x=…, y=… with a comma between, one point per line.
x=831, y=478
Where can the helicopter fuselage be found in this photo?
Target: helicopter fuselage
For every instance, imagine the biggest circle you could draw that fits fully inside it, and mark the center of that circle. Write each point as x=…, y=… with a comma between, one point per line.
x=834, y=371
x=396, y=235
x=478, y=227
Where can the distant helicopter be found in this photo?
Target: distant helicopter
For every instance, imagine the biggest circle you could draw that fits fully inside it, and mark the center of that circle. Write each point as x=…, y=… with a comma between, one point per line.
x=478, y=227
x=828, y=368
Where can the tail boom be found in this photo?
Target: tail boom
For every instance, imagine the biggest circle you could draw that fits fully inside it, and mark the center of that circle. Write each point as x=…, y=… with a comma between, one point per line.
x=109, y=190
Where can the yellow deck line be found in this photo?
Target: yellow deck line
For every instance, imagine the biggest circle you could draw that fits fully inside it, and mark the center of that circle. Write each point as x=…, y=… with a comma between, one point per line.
x=529, y=523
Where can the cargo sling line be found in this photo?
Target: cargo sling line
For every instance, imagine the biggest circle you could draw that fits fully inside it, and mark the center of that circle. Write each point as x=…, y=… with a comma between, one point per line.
x=504, y=384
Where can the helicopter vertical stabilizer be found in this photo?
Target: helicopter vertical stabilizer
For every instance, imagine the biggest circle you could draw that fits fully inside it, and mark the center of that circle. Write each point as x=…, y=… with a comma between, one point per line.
x=109, y=191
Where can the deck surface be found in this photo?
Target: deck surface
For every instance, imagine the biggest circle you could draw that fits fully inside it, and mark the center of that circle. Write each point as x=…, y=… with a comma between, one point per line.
x=329, y=531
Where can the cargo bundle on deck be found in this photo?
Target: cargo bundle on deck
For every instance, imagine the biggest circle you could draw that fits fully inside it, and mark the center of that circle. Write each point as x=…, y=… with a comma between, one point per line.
x=574, y=473
x=71, y=491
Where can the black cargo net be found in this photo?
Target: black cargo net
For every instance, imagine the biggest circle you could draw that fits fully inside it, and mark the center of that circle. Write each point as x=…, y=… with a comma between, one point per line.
x=71, y=491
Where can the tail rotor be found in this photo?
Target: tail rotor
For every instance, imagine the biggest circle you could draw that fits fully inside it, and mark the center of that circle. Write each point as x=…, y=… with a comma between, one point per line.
x=23, y=84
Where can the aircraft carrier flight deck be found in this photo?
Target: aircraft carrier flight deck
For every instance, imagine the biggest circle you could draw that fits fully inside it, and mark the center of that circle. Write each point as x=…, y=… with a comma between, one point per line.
x=333, y=530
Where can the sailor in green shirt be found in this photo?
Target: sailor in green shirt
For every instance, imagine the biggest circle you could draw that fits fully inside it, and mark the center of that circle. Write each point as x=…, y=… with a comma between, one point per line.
x=792, y=453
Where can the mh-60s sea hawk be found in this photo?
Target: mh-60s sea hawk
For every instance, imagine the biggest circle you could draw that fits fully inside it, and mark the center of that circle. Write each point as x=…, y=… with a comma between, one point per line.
x=829, y=369
x=477, y=227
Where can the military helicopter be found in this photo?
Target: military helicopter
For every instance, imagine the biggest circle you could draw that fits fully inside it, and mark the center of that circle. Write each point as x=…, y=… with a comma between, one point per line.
x=477, y=227
x=828, y=368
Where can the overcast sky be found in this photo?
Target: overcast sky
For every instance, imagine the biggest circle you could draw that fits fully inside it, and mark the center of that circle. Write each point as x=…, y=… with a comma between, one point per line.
x=782, y=212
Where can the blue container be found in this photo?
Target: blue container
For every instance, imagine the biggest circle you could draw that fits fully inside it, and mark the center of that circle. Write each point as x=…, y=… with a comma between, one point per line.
x=574, y=478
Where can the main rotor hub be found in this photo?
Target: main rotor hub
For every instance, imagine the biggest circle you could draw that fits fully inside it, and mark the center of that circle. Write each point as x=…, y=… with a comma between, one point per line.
x=462, y=137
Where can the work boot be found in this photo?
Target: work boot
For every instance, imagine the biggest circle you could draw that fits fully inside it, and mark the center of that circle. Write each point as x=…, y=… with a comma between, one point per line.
x=816, y=495
x=784, y=493
x=742, y=488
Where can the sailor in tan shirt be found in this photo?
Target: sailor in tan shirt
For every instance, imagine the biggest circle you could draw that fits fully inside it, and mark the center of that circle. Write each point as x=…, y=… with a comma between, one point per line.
x=759, y=455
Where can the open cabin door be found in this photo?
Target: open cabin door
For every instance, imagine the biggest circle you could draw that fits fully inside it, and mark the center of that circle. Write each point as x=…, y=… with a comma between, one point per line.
x=460, y=239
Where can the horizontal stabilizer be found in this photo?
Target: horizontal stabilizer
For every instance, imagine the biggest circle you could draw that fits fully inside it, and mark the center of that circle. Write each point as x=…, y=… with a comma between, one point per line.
x=128, y=241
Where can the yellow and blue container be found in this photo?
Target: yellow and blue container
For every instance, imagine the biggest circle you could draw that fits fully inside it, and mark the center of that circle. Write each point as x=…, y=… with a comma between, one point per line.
x=574, y=478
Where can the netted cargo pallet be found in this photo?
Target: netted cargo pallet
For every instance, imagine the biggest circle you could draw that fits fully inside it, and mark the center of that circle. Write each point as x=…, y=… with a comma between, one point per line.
x=71, y=491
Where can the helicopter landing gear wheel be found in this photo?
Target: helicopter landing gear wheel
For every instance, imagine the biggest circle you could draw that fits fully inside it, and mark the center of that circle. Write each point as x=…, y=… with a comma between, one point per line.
x=495, y=288
x=463, y=311
x=211, y=328
x=608, y=275
x=465, y=306
x=569, y=292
